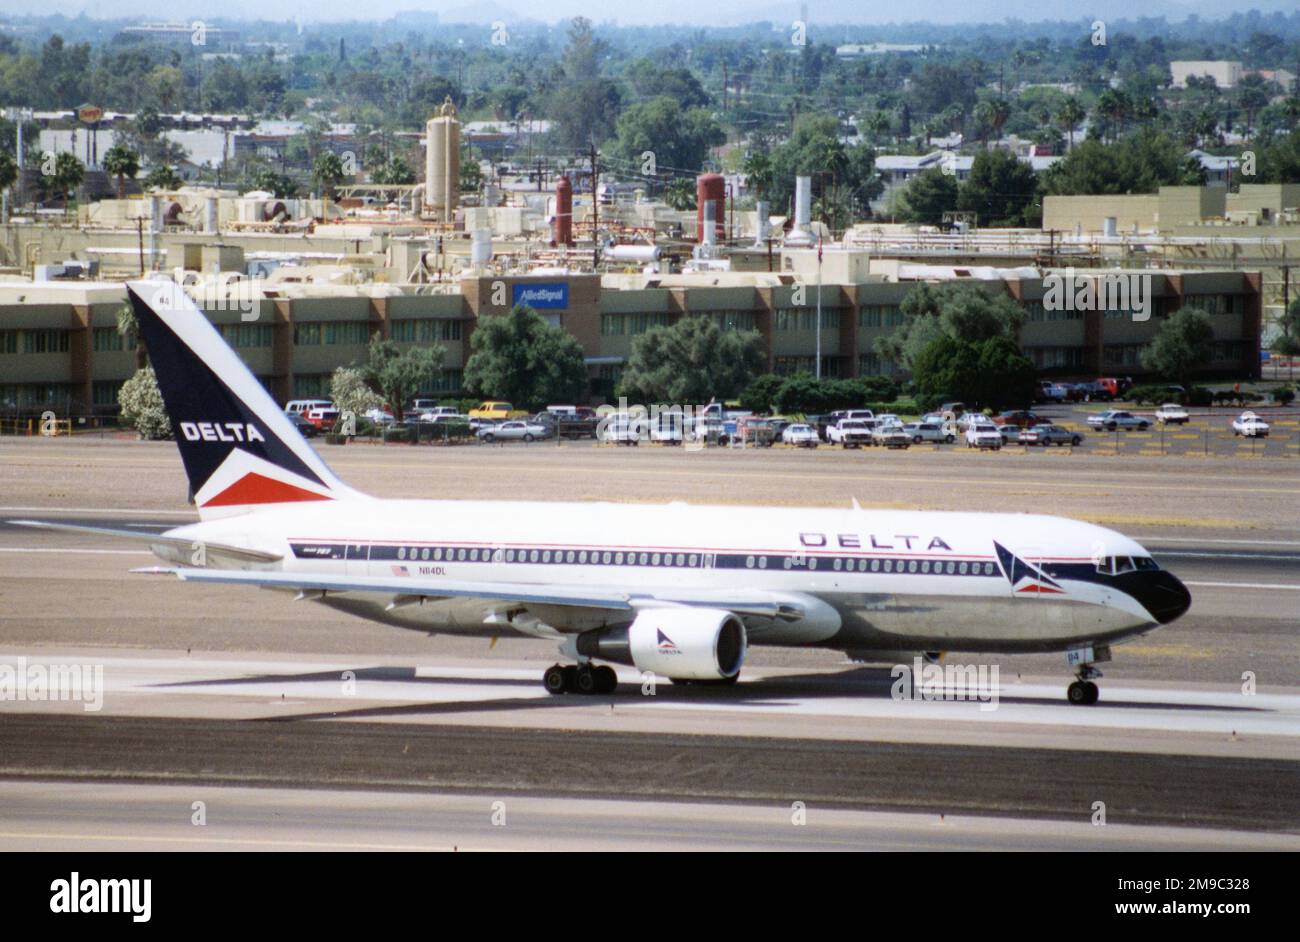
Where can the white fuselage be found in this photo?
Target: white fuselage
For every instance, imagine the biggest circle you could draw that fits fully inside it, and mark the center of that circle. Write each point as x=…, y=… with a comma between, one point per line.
x=870, y=579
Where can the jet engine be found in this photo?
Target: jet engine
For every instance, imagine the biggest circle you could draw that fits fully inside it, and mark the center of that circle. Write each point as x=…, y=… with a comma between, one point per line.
x=679, y=643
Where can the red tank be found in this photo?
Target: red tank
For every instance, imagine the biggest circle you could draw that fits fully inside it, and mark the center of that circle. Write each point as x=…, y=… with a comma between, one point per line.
x=563, y=228
x=711, y=187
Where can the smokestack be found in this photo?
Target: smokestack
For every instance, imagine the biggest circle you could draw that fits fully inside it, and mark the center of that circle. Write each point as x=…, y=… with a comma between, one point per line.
x=710, y=223
x=799, y=233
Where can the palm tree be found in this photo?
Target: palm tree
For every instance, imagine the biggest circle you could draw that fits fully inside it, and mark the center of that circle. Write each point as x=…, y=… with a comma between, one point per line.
x=1068, y=117
x=759, y=174
x=997, y=113
x=129, y=327
x=8, y=170
x=122, y=162
x=1113, y=106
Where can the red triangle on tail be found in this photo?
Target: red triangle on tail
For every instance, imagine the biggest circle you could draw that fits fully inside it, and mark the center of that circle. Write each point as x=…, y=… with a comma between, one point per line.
x=255, y=488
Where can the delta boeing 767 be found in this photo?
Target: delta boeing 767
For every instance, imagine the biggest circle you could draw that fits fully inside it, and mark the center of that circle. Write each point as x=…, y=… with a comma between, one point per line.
x=678, y=590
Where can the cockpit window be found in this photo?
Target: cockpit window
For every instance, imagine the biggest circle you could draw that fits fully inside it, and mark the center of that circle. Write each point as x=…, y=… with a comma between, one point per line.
x=1117, y=565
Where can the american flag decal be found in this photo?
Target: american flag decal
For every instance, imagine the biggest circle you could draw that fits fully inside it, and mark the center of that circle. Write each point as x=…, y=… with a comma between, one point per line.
x=401, y=571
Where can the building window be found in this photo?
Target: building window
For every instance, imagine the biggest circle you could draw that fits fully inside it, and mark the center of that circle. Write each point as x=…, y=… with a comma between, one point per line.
x=873, y=364
x=306, y=335
x=729, y=320
x=311, y=385
x=1046, y=358
x=45, y=341
x=108, y=340
x=346, y=333
x=104, y=392
x=243, y=336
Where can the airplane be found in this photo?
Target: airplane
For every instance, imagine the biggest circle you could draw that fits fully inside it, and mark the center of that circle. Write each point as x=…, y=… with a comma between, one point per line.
x=678, y=590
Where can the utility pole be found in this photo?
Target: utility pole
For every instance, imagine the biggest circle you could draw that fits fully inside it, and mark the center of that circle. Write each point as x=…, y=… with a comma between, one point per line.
x=139, y=229
x=595, y=208
x=724, y=87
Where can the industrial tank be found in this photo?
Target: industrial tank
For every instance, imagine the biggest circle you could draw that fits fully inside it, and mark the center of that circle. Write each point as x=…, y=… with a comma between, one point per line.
x=563, y=212
x=442, y=162
x=711, y=188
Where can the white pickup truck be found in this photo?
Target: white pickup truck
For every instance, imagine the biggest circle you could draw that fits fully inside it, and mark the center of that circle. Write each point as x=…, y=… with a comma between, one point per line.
x=850, y=433
x=983, y=434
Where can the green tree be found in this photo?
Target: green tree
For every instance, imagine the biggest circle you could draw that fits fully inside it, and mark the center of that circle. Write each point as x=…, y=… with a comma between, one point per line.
x=129, y=327
x=8, y=170
x=679, y=139
x=680, y=194
x=1068, y=117
x=1183, y=344
x=471, y=174
x=1140, y=163
x=394, y=172
x=760, y=394
x=162, y=177
x=328, y=172
x=583, y=104
x=398, y=374
x=999, y=189
x=928, y=196
x=1287, y=342
x=67, y=176
x=523, y=359
x=956, y=311
x=991, y=373
x=351, y=393
x=141, y=406
x=121, y=162
x=691, y=362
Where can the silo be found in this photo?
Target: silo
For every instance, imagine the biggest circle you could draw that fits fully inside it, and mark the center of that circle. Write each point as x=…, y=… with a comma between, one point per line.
x=442, y=162
x=563, y=211
x=710, y=188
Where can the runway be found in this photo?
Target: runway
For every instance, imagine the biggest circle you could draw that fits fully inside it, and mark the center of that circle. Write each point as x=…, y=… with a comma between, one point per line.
x=210, y=690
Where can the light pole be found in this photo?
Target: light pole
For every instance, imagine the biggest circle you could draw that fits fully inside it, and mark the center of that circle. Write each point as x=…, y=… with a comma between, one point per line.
x=819, y=307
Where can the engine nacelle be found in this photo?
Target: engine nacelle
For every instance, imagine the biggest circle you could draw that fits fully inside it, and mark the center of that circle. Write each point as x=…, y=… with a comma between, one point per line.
x=680, y=643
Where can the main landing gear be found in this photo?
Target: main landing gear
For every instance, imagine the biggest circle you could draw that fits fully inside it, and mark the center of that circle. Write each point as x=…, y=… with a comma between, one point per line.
x=579, y=678
x=1084, y=660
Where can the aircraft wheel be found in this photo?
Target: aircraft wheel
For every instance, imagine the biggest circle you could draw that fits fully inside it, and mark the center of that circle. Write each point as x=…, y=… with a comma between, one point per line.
x=1083, y=693
x=554, y=680
x=586, y=679
x=606, y=679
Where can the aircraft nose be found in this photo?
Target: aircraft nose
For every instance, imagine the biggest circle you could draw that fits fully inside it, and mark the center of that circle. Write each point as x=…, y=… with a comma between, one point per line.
x=1162, y=595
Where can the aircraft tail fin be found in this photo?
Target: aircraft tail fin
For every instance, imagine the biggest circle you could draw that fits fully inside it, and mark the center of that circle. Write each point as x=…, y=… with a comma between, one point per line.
x=240, y=451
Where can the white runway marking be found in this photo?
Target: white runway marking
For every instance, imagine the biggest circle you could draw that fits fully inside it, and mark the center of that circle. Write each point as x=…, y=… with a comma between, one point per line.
x=1243, y=585
x=92, y=552
x=188, y=686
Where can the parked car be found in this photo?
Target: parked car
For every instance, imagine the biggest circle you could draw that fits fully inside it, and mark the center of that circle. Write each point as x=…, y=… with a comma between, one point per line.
x=303, y=406
x=753, y=430
x=1171, y=413
x=305, y=428
x=1249, y=425
x=379, y=416
x=955, y=409
x=891, y=435
x=981, y=433
x=851, y=433
x=1052, y=392
x=805, y=436
x=566, y=424
x=1113, y=419
x=419, y=405
x=1010, y=433
x=1047, y=434
x=323, y=417
x=929, y=432
x=513, y=431
x=1018, y=417
x=496, y=409
x=622, y=428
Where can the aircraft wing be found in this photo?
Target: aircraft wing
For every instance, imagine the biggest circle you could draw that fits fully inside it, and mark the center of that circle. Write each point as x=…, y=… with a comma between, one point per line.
x=183, y=543
x=752, y=602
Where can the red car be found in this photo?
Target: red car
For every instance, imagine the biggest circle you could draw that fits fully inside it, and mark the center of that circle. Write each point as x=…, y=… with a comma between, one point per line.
x=1019, y=418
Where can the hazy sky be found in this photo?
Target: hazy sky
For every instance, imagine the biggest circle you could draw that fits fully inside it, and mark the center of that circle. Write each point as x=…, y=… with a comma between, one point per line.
x=661, y=11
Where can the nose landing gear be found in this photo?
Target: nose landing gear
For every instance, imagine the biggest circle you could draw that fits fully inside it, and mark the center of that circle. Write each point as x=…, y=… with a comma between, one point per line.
x=1083, y=692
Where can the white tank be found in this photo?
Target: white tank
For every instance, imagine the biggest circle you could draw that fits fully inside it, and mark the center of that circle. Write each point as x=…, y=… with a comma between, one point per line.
x=442, y=162
x=763, y=212
x=632, y=253
x=480, y=252
x=799, y=233
x=210, y=220
x=1109, y=227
